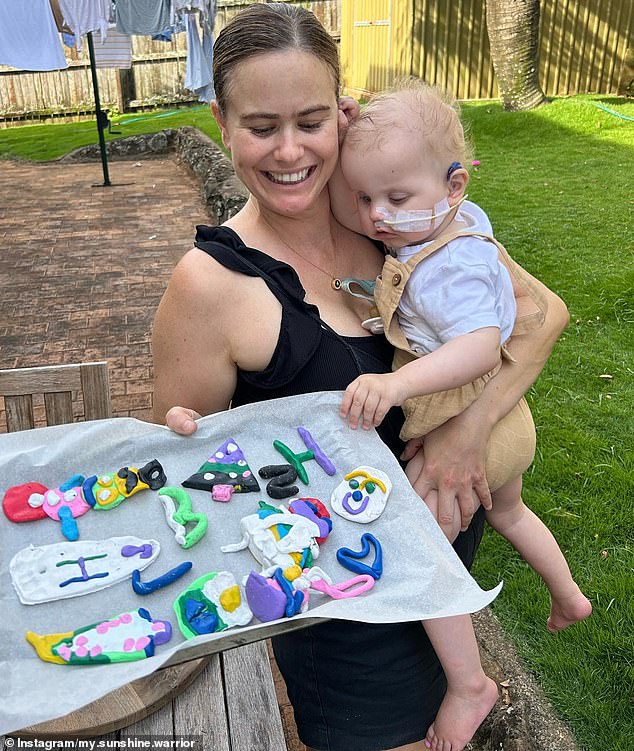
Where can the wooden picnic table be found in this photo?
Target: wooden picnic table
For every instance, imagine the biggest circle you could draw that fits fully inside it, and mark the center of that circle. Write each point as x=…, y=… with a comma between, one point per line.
x=227, y=699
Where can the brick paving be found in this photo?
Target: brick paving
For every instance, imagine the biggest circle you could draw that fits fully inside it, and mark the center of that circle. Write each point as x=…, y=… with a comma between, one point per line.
x=82, y=270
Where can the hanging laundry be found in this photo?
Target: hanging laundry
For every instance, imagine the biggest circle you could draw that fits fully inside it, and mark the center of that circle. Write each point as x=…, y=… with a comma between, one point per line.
x=145, y=17
x=82, y=16
x=199, y=76
x=206, y=8
x=115, y=51
x=166, y=35
x=68, y=39
x=28, y=36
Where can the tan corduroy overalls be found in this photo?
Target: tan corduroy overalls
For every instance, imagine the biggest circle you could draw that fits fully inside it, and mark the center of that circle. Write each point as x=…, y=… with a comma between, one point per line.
x=511, y=447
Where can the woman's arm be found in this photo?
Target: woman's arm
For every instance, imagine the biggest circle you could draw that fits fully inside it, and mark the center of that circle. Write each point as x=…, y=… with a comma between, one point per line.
x=192, y=359
x=454, y=453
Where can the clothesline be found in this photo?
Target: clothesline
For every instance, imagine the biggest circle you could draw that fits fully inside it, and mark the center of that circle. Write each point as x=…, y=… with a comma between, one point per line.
x=30, y=33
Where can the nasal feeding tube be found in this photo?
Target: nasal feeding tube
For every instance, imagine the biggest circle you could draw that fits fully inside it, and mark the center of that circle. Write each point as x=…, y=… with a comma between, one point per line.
x=420, y=220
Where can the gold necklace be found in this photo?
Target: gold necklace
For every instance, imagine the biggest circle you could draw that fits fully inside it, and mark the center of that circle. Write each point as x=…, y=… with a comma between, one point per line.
x=335, y=282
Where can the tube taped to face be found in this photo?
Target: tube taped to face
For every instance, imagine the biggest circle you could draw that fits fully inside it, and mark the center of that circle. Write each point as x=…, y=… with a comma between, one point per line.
x=421, y=220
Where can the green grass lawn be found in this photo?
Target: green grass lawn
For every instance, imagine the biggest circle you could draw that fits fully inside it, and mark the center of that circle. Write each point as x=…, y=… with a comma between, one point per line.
x=558, y=184
x=44, y=142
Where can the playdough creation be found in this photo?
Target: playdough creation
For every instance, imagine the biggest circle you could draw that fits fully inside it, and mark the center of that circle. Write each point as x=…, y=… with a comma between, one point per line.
x=272, y=597
x=227, y=467
x=214, y=602
x=177, y=506
x=296, y=460
x=68, y=569
x=362, y=495
x=313, y=509
x=354, y=561
x=124, y=638
x=164, y=580
x=281, y=478
x=109, y=490
x=277, y=537
x=16, y=506
x=32, y=501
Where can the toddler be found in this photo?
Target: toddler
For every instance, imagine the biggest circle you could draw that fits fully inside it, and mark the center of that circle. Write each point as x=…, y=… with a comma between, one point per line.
x=446, y=300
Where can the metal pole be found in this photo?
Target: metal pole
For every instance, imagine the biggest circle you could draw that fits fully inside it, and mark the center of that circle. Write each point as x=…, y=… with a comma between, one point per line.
x=95, y=87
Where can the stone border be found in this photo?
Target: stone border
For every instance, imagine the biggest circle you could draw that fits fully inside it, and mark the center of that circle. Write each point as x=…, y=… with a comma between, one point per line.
x=222, y=193
x=523, y=719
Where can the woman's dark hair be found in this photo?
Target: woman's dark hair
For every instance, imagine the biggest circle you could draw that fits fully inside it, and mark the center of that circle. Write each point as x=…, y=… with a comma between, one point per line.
x=269, y=27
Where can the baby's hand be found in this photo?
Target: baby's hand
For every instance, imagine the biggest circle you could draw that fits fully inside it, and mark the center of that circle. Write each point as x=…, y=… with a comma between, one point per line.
x=370, y=397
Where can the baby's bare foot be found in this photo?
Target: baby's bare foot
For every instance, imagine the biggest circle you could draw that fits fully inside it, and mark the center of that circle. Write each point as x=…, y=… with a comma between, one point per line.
x=460, y=715
x=564, y=611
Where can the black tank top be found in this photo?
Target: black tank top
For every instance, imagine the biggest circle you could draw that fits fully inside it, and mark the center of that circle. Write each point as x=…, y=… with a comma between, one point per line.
x=309, y=355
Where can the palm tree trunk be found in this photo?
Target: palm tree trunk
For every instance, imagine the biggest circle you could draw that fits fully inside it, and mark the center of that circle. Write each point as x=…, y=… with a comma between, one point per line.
x=513, y=28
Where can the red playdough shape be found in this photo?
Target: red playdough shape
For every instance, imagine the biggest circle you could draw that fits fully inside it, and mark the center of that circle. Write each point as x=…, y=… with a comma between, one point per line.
x=15, y=503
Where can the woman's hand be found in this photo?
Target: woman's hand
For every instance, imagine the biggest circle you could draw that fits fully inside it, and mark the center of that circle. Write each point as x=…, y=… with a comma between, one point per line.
x=349, y=109
x=451, y=461
x=182, y=420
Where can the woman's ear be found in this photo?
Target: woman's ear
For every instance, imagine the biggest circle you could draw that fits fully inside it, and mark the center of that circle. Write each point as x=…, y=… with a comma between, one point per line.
x=222, y=123
x=458, y=181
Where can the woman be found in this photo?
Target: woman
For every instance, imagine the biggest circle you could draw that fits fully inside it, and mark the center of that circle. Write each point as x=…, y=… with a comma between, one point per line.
x=252, y=313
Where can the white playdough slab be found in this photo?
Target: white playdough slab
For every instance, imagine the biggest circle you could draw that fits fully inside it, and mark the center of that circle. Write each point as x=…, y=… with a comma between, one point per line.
x=44, y=573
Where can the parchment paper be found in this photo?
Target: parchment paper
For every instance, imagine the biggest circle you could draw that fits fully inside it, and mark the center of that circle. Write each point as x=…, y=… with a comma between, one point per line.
x=423, y=577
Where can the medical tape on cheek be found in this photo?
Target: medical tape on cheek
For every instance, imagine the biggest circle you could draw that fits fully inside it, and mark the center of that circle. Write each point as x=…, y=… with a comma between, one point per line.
x=419, y=220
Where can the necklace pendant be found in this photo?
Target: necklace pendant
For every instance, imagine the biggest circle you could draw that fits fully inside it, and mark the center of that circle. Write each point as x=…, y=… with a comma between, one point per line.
x=336, y=284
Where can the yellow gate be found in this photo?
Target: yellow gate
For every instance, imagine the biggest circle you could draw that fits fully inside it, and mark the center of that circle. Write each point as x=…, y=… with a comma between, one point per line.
x=375, y=36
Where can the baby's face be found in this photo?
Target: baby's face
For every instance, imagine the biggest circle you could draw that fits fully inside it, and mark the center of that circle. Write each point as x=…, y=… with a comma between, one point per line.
x=389, y=177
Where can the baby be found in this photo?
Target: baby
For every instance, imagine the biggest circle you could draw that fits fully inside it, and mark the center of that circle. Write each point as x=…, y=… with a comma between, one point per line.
x=446, y=300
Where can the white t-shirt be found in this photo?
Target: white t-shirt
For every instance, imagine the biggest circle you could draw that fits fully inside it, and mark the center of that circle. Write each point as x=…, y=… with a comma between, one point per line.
x=458, y=289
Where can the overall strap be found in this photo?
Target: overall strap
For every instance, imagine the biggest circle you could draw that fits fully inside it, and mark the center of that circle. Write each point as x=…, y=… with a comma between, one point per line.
x=399, y=273
x=524, y=322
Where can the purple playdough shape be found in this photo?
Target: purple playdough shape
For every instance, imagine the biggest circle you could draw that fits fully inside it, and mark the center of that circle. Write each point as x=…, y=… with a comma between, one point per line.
x=267, y=603
x=319, y=456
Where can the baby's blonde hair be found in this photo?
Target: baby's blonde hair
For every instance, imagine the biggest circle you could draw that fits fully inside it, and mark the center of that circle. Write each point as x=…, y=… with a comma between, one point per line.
x=427, y=111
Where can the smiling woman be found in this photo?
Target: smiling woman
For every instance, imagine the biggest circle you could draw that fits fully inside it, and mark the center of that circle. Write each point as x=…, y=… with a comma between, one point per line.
x=251, y=313
x=282, y=128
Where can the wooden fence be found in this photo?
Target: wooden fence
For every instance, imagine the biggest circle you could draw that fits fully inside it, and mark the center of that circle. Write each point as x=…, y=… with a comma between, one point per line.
x=584, y=44
x=157, y=75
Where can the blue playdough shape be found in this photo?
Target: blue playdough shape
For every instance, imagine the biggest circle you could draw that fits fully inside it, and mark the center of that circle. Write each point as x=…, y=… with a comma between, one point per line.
x=70, y=530
x=199, y=619
x=350, y=559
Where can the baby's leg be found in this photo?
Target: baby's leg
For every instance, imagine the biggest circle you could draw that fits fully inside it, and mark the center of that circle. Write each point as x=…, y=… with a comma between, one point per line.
x=470, y=693
x=537, y=546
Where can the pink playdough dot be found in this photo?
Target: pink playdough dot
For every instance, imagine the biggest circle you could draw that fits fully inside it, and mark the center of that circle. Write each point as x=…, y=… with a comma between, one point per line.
x=81, y=640
x=158, y=626
x=126, y=618
x=128, y=645
x=142, y=642
x=64, y=652
x=96, y=650
x=81, y=651
x=247, y=473
x=102, y=628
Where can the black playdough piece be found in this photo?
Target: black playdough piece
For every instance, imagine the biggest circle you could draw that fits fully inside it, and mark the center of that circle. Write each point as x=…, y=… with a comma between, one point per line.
x=281, y=485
